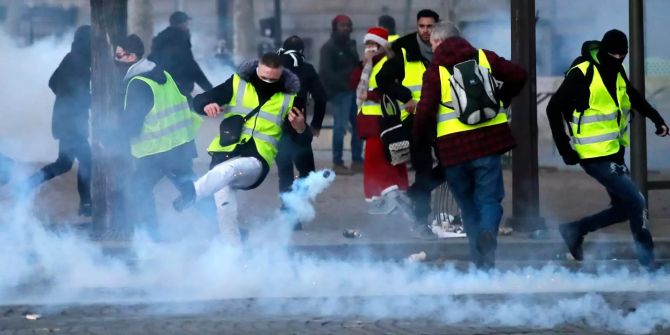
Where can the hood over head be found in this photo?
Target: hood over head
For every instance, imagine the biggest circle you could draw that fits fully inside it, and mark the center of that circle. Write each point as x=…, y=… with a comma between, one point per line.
x=146, y=68
x=289, y=82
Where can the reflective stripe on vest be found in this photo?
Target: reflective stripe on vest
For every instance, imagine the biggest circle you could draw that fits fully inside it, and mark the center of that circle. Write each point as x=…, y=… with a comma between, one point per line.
x=372, y=108
x=447, y=119
x=170, y=122
x=413, y=76
x=602, y=128
x=265, y=127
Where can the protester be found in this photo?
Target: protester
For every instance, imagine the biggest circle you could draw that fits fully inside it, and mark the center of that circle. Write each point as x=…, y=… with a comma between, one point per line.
x=595, y=101
x=292, y=153
x=338, y=59
x=381, y=180
x=470, y=154
x=171, y=49
x=71, y=84
x=259, y=99
x=160, y=127
x=401, y=78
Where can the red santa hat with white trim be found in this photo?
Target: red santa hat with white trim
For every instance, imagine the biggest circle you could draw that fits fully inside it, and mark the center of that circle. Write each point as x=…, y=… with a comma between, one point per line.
x=378, y=35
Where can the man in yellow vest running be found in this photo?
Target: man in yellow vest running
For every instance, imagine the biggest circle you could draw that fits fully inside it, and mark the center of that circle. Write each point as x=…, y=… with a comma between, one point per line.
x=469, y=154
x=595, y=101
x=161, y=128
x=244, y=163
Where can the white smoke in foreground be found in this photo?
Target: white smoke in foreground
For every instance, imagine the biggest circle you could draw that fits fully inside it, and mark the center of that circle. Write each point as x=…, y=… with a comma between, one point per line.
x=44, y=267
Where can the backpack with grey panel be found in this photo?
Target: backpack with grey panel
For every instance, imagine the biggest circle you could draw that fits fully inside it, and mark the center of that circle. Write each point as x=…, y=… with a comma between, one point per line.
x=473, y=93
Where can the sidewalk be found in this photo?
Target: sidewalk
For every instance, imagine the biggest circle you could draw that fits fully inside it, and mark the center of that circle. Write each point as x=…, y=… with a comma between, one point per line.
x=564, y=196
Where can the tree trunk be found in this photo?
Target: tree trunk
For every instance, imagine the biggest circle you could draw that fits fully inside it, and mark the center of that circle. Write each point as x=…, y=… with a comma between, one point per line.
x=244, y=30
x=108, y=23
x=140, y=21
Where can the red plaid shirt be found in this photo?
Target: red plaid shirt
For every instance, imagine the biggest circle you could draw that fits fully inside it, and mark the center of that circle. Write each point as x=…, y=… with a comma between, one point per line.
x=465, y=146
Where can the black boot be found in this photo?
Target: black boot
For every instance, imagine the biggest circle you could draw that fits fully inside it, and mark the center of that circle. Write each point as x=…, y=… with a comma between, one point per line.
x=573, y=238
x=644, y=247
x=486, y=244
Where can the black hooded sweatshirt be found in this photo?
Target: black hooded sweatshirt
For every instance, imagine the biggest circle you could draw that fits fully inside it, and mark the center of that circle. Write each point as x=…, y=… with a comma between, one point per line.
x=392, y=73
x=171, y=49
x=573, y=94
x=71, y=85
x=310, y=83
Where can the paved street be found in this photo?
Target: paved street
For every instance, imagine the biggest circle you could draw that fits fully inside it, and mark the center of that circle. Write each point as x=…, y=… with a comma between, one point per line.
x=291, y=316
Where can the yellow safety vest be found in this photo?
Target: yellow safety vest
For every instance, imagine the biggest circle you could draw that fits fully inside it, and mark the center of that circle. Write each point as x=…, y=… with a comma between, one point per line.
x=393, y=37
x=447, y=119
x=169, y=124
x=603, y=127
x=265, y=127
x=372, y=108
x=413, y=76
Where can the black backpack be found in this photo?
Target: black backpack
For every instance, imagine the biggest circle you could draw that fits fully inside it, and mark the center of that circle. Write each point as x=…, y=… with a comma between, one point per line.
x=473, y=93
x=394, y=136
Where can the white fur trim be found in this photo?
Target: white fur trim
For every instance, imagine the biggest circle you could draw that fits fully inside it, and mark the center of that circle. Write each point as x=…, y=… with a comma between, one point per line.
x=375, y=38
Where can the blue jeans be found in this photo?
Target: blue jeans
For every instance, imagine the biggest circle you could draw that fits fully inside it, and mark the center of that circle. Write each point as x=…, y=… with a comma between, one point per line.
x=343, y=107
x=477, y=186
x=627, y=203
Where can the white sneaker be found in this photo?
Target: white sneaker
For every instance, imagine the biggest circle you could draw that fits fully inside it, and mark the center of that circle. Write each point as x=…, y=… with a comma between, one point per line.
x=381, y=206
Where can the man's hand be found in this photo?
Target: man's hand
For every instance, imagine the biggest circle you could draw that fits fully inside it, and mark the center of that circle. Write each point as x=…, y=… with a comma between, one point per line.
x=571, y=157
x=410, y=106
x=662, y=130
x=212, y=110
x=297, y=119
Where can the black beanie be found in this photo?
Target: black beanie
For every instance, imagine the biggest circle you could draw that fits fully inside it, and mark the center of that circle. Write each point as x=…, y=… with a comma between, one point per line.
x=294, y=43
x=615, y=42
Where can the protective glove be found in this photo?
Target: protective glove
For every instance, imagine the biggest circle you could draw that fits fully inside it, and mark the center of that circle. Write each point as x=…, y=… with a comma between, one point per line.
x=571, y=157
x=662, y=130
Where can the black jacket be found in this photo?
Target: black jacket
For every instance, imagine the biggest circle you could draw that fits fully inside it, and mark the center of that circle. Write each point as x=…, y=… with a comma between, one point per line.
x=392, y=73
x=71, y=85
x=171, y=49
x=573, y=94
x=139, y=101
x=309, y=84
x=337, y=60
x=222, y=94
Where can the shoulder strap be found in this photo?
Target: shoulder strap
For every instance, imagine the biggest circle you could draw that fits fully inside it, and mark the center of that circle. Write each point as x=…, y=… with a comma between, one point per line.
x=254, y=111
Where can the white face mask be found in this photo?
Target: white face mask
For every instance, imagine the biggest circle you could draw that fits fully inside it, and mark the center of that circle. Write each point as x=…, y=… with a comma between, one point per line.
x=372, y=49
x=265, y=80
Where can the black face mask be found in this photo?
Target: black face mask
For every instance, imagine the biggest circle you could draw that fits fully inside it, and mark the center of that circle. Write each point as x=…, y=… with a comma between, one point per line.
x=610, y=62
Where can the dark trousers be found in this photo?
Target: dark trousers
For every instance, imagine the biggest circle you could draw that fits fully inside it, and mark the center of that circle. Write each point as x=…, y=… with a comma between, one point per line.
x=147, y=173
x=289, y=154
x=426, y=177
x=478, y=188
x=627, y=203
x=68, y=151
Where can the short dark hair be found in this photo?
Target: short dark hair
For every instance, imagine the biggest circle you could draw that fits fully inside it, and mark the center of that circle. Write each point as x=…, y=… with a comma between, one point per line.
x=294, y=43
x=272, y=60
x=132, y=44
x=387, y=22
x=427, y=13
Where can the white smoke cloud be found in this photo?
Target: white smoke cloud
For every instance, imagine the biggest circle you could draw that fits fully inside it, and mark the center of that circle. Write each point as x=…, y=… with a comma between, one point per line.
x=45, y=267
x=27, y=99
